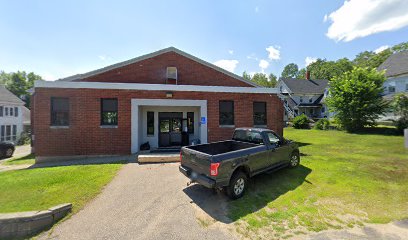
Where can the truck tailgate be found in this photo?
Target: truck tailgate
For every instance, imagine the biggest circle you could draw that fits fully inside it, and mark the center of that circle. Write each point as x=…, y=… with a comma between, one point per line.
x=196, y=161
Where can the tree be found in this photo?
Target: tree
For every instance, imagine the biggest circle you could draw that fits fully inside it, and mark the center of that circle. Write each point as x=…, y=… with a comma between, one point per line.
x=400, y=107
x=355, y=97
x=246, y=76
x=19, y=82
x=301, y=74
x=290, y=71
x=261, y=79
x=273, y=80
x=323, y=69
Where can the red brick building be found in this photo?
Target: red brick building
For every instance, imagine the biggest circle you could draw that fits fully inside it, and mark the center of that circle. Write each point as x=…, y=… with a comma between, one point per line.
x=158, y=98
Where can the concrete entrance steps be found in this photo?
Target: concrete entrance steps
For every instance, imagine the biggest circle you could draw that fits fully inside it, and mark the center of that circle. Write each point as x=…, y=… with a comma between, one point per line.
x=149, y=157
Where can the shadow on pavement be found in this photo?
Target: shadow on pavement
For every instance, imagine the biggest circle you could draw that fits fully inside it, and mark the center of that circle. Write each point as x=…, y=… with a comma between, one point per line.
x=263, y=189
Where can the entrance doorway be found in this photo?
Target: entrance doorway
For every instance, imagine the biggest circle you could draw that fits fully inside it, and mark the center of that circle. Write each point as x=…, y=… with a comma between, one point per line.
x=170, y=128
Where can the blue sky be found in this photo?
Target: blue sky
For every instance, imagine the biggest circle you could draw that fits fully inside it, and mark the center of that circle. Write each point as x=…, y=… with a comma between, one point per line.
x=60, y=38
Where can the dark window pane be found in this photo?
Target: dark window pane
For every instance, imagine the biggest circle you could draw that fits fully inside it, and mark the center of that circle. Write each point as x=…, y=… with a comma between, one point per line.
x=8, y=132
x=259, y=113
x=6, y=111
x=1, y=111
x=59, y=111
x=150, y=123
x=2, y=131
x=16, y=111
x=109, y=111
x=190, y=122
x=11, y=111
x=226, y=113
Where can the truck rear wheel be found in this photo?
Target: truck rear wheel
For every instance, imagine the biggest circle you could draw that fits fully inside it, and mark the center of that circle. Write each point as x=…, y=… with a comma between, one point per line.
x=237, y=186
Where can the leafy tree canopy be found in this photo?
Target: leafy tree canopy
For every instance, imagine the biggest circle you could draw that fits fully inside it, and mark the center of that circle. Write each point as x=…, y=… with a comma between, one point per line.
x=19, y=83
x=356, y=98
x=261, y=79
x=290, y=71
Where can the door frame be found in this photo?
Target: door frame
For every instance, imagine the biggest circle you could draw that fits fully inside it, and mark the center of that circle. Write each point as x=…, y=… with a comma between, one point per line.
x=136, y=122
x=170, y=127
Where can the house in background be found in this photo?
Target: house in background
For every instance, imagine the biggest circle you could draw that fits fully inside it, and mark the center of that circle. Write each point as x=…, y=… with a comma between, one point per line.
x=303, y=96
x=396, y=72
x=167, y=98
x=11, y=115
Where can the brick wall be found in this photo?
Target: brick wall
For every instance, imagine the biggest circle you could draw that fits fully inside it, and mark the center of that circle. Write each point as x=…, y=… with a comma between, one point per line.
x=153, y=71
x=85, y=137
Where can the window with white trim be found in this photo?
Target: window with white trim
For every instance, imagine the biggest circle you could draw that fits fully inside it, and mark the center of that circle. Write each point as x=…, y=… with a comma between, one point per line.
x=8, y=133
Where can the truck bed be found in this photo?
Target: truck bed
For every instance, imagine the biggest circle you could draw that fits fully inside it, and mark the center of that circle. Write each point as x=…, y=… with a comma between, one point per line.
x=221, y=147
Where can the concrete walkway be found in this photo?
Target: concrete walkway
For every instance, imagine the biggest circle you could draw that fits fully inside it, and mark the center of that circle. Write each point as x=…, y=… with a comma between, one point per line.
x=142, y=202
x=21, y=151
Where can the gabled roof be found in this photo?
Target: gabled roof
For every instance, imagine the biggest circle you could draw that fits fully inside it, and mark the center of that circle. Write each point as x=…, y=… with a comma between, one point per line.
x=8, y=97
x=396, y=64
x=151, y=55
x=302, y=86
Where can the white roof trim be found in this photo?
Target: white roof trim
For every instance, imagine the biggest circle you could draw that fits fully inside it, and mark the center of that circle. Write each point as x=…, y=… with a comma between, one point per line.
x=154, y=54
x=151, y=87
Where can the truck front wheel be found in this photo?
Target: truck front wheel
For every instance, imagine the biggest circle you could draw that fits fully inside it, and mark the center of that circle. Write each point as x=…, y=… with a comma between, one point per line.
x=237, y=185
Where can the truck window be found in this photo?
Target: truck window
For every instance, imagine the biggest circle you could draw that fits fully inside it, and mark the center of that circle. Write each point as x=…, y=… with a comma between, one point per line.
x=273, y=139
x=248, y=136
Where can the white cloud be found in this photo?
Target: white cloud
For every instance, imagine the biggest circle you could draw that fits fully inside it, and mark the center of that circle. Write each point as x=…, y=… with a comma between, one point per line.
x=360, y=18
x=228, y=65
x=274, y=52
x=263, y=64
x=309, y=60
x=382, y=48
x=48, y=76
x=253, y=57
x=231, y=52
x=102, y=57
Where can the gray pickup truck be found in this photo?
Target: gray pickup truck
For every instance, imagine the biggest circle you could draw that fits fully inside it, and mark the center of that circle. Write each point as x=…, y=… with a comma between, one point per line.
x=228, y=164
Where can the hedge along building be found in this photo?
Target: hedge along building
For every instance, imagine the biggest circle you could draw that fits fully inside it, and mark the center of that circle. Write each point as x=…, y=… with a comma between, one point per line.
x=152, y=98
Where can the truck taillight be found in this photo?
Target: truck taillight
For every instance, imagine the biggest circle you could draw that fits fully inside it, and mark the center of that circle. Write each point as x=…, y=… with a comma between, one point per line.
x=181, y=157
x=214, y=169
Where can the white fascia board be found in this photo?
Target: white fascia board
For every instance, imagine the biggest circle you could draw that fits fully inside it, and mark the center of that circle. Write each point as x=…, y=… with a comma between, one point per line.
x=151, y=87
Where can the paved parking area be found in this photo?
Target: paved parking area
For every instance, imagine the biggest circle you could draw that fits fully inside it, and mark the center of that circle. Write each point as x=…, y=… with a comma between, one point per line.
x=149, y=201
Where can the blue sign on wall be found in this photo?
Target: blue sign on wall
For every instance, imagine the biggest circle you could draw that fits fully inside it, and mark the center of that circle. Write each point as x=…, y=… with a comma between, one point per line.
x=203, y=120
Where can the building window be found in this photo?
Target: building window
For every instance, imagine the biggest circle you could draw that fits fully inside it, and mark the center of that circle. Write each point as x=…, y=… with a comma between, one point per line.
x=226, y=112
x=11, y=111
x=190, y=122
x=16, y=111
x=8, y=132
x=59, y=111
x=311, y=100
x=259, y=113
x=2, y=134
x=300, y=99
x=6, y=111
x=109, y=111
x=14, y=136
x=391, y=89
x=150, y=123
x=323, y=109
x=1, y=111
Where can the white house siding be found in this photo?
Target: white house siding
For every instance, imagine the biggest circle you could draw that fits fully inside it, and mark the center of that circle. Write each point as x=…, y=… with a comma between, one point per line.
x=400, y=84
x=10, y=120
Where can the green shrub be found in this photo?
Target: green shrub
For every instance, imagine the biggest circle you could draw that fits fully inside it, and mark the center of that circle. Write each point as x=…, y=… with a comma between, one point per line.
x=24, y=139
x=401, y=124
x=301, y=122
x=322, y=124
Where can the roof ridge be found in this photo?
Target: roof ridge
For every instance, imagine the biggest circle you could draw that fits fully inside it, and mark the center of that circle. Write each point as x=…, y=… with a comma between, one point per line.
x=154, y=54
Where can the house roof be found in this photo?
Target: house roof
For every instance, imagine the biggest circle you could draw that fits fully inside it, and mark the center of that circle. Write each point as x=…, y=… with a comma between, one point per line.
x=8, y=97
x=151, y=55
x=302, y=86
x=396, y=64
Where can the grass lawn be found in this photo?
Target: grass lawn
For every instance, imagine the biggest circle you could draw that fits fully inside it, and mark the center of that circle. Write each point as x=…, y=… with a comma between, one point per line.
x=41, y=188
x=345, y=180
x=29, y=159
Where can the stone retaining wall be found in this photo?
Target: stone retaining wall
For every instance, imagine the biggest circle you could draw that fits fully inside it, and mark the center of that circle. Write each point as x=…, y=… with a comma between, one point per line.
x=24, y=224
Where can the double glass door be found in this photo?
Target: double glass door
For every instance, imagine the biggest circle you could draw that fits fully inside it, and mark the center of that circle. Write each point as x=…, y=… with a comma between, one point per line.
x=170, y=126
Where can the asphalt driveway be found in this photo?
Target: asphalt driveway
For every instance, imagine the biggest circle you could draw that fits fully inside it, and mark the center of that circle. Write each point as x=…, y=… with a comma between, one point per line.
x=148, y=201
